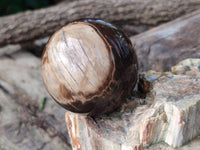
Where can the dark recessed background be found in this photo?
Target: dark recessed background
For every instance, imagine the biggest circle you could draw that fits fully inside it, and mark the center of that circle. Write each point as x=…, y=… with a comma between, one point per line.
x=8, y=7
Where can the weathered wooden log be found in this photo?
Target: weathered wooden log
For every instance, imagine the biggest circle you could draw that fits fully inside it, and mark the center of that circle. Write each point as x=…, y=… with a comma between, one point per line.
x=37, y=24
x=170, y=113
x=162, y=47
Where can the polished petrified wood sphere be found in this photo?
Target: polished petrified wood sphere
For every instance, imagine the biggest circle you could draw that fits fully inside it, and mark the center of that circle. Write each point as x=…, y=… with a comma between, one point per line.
x=89, y=66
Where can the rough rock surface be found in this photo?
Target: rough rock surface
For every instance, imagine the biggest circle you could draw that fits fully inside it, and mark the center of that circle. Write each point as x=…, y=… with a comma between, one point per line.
x=26, y=123
x=24, y=126
x=169, y=114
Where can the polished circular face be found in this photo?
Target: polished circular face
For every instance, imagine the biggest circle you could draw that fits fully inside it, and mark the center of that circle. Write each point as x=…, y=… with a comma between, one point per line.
x=89, y=66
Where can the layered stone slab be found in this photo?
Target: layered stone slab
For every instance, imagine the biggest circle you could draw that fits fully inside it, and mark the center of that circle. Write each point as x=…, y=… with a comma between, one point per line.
x=170, y=113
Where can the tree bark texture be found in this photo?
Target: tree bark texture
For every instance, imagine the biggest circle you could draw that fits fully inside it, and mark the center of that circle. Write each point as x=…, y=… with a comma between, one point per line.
x=30, y=25
x=162, y=47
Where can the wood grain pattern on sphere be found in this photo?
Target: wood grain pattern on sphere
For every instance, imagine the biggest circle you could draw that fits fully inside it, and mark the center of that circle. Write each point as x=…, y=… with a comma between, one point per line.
x=89, y=66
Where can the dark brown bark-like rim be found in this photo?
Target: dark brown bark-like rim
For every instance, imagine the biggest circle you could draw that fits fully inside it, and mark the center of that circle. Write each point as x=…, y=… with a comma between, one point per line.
x=122, y=74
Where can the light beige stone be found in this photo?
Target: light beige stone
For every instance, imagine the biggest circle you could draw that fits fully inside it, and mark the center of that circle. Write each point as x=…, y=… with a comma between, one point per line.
x=170, y=113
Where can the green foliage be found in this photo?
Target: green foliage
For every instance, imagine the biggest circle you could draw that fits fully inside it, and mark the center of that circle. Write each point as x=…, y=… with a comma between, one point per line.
x=14, y=6
x=42, y=104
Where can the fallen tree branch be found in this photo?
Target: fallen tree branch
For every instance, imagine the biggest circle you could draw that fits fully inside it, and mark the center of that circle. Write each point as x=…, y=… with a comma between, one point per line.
x=31, y=25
